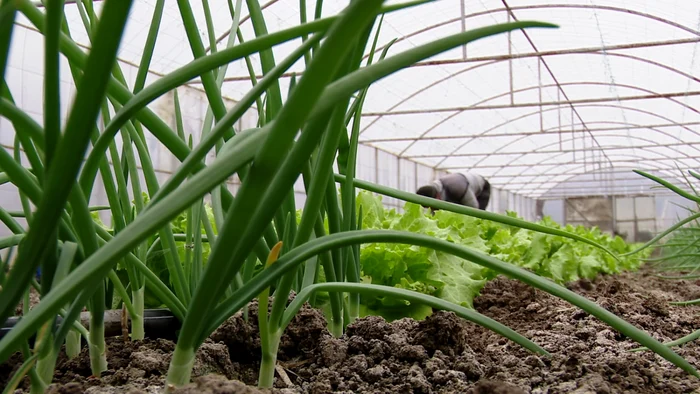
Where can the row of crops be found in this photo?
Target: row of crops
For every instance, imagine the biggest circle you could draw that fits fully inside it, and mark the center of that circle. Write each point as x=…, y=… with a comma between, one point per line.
x=426, y=270
x=205, y=263
x=457, y=280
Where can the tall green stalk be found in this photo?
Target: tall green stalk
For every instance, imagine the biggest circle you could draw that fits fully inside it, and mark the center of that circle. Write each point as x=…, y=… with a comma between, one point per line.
x=69, y=152
x=300, y=137
x=8, y=11
x=270, y=333
x=224, y=263
x=47, y=361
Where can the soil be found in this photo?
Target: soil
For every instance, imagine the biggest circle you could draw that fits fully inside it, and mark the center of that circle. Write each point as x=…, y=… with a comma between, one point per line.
x=441, y=354
x=33, y=301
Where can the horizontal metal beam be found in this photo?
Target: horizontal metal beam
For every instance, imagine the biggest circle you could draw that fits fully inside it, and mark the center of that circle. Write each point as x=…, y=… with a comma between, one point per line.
x=673, y=169
x=587, y=149
x=626, y=11
x=608, y=190
x=601, y=186
x=40, y=4
x=633, y=177
x=519, y=134
x=564, y=186
x=595, y=193
x=572, y=51
x=587, y=163
x=240, y=22
x=620, y=194
x=549, y=197
x=533, y=104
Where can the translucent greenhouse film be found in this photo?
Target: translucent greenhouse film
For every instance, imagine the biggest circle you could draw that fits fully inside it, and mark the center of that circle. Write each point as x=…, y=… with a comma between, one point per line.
x=169, y=165
x=543, y=114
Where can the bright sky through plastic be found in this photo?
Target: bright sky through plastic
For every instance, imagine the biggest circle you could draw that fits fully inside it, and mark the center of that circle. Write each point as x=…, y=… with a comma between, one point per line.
x=615, y=87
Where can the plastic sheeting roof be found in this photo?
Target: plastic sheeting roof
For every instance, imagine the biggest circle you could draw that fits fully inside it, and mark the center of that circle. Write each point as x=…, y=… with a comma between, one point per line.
x=615, y=87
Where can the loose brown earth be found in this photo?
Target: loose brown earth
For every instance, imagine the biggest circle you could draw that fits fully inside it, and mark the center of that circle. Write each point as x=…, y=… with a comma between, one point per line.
x=442, y=354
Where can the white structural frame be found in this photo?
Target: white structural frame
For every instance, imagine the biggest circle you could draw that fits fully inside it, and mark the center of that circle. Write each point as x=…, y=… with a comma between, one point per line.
x=527, y=109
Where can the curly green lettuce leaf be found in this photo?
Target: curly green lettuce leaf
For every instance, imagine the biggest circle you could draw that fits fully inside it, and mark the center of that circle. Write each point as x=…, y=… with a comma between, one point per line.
x=460, y=280
x=416, y=268
x=562, y=266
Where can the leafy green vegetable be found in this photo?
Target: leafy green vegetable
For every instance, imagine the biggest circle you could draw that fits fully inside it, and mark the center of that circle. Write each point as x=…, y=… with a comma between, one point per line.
x=435, y=273
x=459, y=281
x=417, y=268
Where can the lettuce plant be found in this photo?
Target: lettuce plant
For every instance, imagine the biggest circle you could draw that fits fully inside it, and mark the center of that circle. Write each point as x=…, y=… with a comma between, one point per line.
x=443, y=275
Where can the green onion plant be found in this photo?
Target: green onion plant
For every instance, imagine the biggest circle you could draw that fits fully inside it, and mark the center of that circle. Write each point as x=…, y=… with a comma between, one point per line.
x=679, y=256
x=189, y=244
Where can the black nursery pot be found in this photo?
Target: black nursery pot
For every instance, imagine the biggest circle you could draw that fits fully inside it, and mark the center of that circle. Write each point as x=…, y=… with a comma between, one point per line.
x=158, y=323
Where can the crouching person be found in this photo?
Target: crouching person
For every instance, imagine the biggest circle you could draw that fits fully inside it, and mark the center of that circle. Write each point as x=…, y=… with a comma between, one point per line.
x=468, y=189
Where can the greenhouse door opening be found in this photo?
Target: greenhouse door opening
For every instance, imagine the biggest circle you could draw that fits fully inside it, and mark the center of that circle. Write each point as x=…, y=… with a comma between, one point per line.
x=631, y=217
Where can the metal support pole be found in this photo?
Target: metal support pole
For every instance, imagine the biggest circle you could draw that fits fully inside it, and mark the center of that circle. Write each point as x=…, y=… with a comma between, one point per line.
x=464, y=28
x=398, y=173
x=540, y=104
x=539, y=89
x=573, y=134
x=552, y=130
x=376, y=165
x=636, y=220
x=561, y=146
x=613, y=200
x=415, y=175
x=510, y=63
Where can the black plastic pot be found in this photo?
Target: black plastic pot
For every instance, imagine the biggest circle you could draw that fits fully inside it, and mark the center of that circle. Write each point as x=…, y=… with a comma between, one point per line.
x=158, y=323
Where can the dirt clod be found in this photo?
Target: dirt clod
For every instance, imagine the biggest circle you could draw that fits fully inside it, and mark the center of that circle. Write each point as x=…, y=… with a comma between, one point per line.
x=441, y=354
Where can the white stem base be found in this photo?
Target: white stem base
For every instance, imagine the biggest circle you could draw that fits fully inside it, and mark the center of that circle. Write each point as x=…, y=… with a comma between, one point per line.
x=180, y=369
x=98, y=348
x=266, y=375
x=137, y=299
x=44, y=367
x=336, y=327
x=73, y=344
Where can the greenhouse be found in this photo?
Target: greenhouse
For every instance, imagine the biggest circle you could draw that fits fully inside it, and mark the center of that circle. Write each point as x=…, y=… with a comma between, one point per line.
x=172, y=167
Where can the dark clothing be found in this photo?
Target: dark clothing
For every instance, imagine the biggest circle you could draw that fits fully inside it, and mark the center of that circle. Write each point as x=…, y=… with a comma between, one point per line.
x=485, y=195
x=453, y=187
x=464, y=189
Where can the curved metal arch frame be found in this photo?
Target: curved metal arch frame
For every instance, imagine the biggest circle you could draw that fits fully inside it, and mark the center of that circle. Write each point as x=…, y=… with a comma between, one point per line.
x=554, y=165
x=603, y=134
x=471, y=68
x=243, y=19
x=555, y=154
x=544, y=162
x=539, y=6
x=437, y=166
x=662, y=156
x=568, y=178
x=521, y=138
x=415, y=140
x=625, y=11
x=548, y=177
x=627, y=166
x=587, y=106
x=492, y=62
x=558, y=154
x=664, y=171
x=622, y=107
x=424, y=89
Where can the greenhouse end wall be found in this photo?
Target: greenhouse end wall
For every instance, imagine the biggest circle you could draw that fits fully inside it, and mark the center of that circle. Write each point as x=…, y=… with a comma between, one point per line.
x=637, y=218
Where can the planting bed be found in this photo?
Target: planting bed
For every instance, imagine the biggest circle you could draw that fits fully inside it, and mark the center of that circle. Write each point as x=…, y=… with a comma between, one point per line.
x=442, y=354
